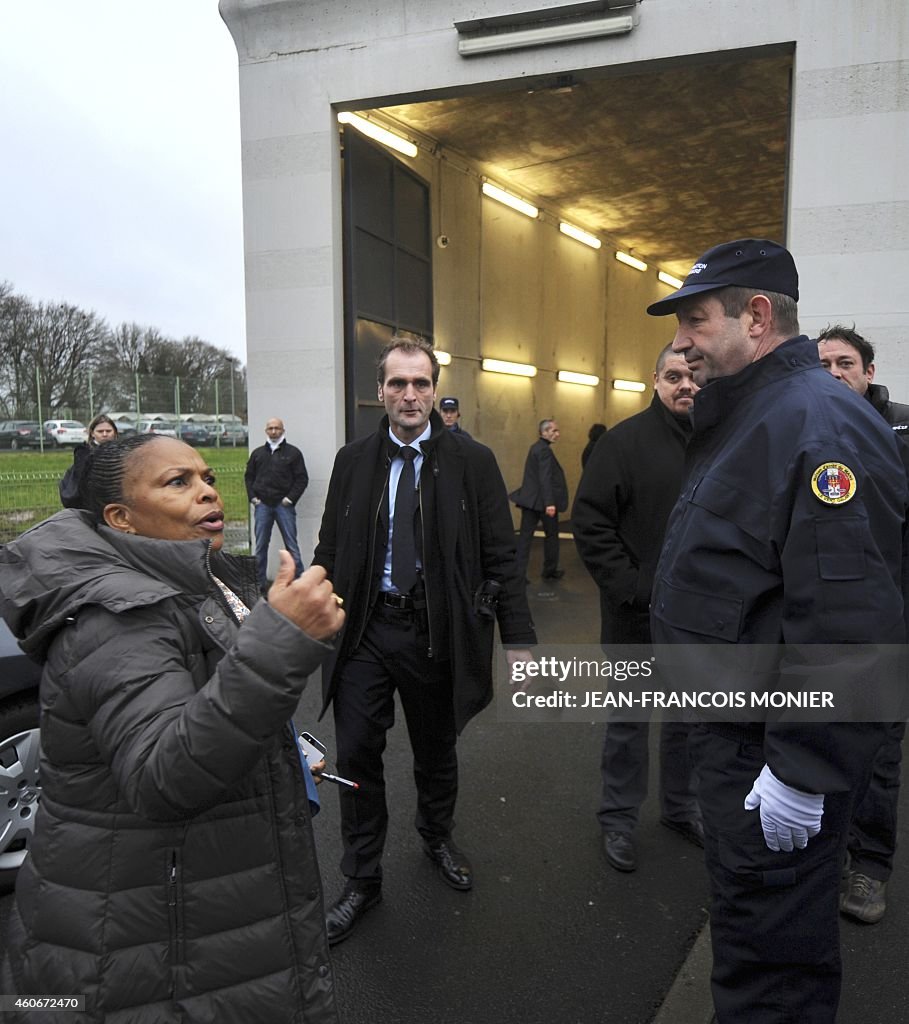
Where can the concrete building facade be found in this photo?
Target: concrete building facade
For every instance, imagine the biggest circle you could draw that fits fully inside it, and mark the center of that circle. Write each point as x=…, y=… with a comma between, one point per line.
x=513, y=288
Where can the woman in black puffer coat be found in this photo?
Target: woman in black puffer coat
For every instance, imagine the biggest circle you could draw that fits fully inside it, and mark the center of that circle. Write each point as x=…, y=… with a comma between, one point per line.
x=172, y=876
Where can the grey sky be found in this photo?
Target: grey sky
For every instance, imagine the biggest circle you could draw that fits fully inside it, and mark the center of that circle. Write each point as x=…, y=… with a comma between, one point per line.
x=120, y=176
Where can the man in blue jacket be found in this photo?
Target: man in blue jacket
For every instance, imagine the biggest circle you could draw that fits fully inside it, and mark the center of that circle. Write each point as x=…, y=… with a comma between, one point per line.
x=872, y=833
x=788, y=538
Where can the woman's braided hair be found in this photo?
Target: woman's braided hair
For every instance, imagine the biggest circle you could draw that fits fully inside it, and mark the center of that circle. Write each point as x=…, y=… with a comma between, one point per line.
x=102, y=484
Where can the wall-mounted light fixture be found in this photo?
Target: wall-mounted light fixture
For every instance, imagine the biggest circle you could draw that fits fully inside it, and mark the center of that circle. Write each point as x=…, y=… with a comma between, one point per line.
x=502, y=366
x=555, y=31
x=628, y=385
x=673, y=282
x=570, y=377
x=377, y=132
x=630, y=261
x=501, y=196
x=578, y=235
x=443, y=357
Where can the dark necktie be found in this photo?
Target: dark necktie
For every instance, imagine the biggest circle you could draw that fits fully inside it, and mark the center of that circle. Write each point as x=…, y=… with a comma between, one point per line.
x=403, y=548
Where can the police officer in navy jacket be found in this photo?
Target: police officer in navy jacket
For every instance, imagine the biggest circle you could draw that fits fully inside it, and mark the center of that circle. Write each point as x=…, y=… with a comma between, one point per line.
x=788, y=531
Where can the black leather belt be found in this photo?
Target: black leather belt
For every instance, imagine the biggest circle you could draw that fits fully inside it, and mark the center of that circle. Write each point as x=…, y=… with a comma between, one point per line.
x=403, y=602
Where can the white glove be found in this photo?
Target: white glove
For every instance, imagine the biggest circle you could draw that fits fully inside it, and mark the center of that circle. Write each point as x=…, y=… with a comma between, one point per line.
x=789, y=817
x=286, y=501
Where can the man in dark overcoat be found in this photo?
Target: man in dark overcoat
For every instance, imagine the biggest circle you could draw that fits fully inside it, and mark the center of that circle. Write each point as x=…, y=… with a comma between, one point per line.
x=417, y=539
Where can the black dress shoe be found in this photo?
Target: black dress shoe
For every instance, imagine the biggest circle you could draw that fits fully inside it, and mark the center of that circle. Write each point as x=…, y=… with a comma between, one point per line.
x=454, y=867
x=691, y=829
x=556, y=574
x=618, y=848
x=352, y=905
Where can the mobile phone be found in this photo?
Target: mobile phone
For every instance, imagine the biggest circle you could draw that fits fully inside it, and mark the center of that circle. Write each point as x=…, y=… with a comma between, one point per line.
x=313, y=750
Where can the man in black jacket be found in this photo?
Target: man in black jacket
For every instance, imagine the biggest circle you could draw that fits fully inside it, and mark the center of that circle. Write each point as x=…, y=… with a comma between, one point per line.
x=626, y=493
x=417, y=539
x=850, y=358
x=543, y=494
x=275, y=478
x=872, y=831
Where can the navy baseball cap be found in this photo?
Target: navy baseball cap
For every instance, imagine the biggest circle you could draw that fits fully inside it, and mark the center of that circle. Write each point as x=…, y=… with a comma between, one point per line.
x=448, y=403
x=746, y=263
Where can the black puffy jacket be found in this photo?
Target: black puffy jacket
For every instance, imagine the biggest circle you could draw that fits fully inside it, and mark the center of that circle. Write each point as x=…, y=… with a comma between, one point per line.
x=173, y=874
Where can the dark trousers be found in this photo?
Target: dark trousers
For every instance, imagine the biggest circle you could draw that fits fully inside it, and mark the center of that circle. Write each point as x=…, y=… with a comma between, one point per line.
x=872, y=834
x=774, y=918
x=392, y=656
x=624, y=769
x=529, y=520
x=624, y=763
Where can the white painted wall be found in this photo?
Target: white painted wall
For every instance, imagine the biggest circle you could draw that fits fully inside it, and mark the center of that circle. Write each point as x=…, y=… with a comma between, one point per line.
x=848, y=204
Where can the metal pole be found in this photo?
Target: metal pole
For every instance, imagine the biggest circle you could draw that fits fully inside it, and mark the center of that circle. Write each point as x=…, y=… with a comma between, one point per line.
x=40, y=418
x=138, y=401
x=218, y=413
x=91, y=398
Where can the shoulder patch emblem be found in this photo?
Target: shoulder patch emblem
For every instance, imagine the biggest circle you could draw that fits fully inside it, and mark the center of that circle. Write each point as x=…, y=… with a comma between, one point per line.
x=833, y=483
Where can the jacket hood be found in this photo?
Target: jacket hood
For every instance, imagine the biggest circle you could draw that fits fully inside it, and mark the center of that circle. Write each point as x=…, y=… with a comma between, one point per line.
x=65, y=563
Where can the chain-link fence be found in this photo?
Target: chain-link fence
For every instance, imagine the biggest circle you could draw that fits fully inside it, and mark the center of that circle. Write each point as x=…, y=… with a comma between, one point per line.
x=27, y=498
x=136, y=397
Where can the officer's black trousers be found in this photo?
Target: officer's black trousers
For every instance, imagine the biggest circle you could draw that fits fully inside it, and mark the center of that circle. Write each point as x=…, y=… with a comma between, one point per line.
x=774, y=919
x=529, y=520
x=392, y=656
x=872, y=834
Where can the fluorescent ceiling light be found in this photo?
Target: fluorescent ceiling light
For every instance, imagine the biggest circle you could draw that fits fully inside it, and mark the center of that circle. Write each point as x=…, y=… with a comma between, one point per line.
x=500, y=195
x=377, y=132
x=540, y=35
x=570, y=377
x=669, y=279
x=629, y=385
x=443, y=357
x=502, y=366
x=623, y=257
x=578, y=235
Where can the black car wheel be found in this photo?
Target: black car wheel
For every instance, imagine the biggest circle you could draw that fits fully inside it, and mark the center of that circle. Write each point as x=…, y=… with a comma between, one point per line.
x=20, y=783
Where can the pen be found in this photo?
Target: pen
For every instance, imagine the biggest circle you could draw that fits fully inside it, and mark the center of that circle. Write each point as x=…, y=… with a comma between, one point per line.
x=338, y=780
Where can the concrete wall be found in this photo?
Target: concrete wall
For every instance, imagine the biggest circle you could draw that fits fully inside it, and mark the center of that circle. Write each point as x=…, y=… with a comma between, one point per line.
x=848, y=204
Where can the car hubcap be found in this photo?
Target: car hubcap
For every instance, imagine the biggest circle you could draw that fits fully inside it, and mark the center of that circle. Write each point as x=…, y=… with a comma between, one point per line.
x=20, y=789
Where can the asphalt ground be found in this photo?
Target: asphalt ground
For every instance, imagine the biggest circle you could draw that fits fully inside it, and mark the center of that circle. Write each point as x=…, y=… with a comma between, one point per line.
x=550, y=934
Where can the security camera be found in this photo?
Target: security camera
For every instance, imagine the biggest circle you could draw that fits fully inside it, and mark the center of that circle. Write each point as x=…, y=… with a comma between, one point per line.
x=442, y=241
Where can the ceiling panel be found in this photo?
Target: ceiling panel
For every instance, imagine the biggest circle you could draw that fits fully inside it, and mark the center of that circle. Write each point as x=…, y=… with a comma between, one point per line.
x=666, y=163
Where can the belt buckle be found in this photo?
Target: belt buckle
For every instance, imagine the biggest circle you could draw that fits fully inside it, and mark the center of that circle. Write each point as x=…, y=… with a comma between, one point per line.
x=399, y=601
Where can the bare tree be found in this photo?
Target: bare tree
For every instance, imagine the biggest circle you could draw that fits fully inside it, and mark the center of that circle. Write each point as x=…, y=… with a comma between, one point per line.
x=84, y=366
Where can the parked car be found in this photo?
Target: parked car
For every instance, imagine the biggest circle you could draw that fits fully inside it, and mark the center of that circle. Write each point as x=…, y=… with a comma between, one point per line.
x=195, y=434
x=61, y=432
x=20, y=785
x=166, y=427
x=16, y=434
x=233, y=434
